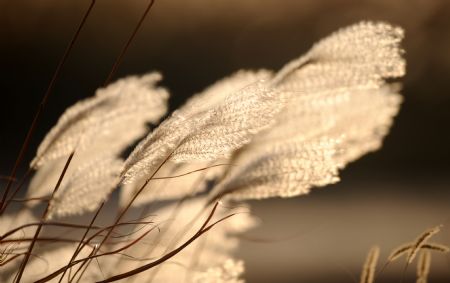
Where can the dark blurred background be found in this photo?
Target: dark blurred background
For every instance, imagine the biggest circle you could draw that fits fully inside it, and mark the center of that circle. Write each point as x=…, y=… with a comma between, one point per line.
x=387, y=197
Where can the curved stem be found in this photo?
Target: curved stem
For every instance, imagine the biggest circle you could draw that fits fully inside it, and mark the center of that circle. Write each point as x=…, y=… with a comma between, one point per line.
x=127, y=45
x=167, y=256
x=289, y=68
x=44, y=216
x=42, y=106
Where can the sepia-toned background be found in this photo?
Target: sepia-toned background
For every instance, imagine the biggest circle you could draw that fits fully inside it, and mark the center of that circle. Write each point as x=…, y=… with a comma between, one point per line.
x=385, y=198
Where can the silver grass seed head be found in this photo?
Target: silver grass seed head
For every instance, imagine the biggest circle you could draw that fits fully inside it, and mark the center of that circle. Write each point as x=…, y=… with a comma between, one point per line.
x=336, y=91
x=115, y=117
x=196, y=133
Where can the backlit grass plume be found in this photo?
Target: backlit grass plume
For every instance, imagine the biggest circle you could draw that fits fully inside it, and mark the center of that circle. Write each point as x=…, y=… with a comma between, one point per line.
x=251, y=135
x=291, y=130
x=113, y=118
x=89, y=184
x=197, y=134
x=338, y=107
x=98, y=129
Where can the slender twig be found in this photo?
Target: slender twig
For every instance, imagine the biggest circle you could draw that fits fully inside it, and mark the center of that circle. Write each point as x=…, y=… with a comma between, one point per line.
x=16, y=255
x=127, y=45
x=98, y=233
x=203, y=229
x=11, y=259
x=114, y=69
x=42, y=239
x=84, y=243
x=94, y=250
x=30, y=199
x=100, y=268
x=195, y=258
x=82, y=240
x=124, y=210
x=16, y=190
x=54, y=223
x=173, y=216
x=174, y=241
x=38, y=114
x=165, y=257
x=7, y=178
x=88, y=262
x=75, y=262
x=44, y=216
x=191, y=172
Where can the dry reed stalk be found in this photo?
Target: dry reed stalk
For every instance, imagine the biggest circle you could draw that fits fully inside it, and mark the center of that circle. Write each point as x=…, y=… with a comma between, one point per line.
x=423, y=267
x=368, y=272
x=406, y=249
x=420, y=241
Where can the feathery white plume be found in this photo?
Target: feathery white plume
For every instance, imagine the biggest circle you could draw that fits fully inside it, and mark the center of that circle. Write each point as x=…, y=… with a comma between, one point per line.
x=89, y=179
x=99, y=128
x=232, y=124
x=367, y=49
x=45, y=178
x=282, y=169
x=114, y=117
x=217, y=92
x=228, y=272
x=335, y=97
x=89, y=185
x=210, y=126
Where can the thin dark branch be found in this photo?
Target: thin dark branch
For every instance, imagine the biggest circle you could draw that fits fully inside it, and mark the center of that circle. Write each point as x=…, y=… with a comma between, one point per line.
x=58, y=224
x=113, y=71
x=8, y=178
x=127, y=45
x=38, y=114
x=122, y=213
x=30, y=199
x=193, y=171
x=167, y=256
x=59, y=271
x=44, y=216
x=82, y=240
x=94, y=250
x=16, y=190
x=42, y=239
